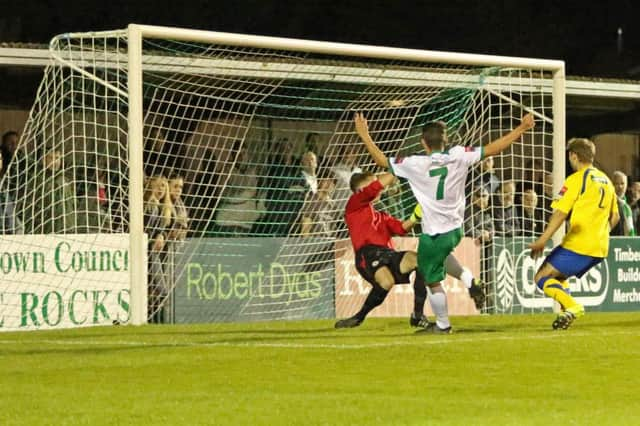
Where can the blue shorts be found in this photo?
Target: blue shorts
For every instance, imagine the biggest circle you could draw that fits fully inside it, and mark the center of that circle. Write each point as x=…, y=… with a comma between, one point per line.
x=570, y=263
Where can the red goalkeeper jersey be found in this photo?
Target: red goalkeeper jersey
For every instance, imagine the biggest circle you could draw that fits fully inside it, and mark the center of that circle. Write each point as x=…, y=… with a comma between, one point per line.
x=367, y=226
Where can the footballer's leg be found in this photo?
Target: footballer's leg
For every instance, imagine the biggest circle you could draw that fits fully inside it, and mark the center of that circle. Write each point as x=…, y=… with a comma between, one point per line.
x=409, y=263
x=418, y=318
x=384, y=281
x=475, y=286
x=432, y=254
x=550, y=281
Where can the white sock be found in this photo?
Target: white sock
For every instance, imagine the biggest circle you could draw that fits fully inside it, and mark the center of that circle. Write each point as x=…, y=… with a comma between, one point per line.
x=438, y=302
x=466, y=277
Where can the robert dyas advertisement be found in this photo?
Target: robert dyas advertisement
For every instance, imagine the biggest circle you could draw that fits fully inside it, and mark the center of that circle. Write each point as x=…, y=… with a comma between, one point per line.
x=254, y=279
x=613, y=285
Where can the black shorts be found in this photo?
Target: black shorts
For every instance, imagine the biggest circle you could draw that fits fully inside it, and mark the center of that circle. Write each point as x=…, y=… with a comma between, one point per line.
x=371, y=258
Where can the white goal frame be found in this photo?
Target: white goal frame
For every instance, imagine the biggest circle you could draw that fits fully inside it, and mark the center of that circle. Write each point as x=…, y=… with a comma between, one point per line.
x=136, y=34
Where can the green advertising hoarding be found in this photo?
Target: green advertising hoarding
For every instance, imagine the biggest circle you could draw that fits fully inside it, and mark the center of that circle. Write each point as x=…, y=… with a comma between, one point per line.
x=63, y=281
x=254, y=279
x=613, y=285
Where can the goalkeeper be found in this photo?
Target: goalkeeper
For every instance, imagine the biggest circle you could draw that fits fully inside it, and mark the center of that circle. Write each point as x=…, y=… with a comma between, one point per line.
x=377, y=261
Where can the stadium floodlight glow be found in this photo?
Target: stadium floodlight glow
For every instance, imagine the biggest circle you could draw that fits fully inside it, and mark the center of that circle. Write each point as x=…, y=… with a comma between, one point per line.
x=229, y=113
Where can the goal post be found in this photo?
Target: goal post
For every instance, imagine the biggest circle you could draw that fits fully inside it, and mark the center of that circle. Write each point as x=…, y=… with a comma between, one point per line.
x=257, y=133
x=555, y=88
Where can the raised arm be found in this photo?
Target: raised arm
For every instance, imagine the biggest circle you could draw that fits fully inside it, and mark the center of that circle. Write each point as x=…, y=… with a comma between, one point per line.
x=386, y=179
x=499, y=145
x=362, y=128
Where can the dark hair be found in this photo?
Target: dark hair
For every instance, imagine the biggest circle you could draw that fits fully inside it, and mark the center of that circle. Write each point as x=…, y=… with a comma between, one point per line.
x=583, y=148
x=7, y=135
x=175, y=175
x=481, y=192
x=435, y=135
x=357, y=179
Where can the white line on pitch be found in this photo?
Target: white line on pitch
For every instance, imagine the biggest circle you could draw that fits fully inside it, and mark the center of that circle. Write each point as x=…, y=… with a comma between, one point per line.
x=416, y=341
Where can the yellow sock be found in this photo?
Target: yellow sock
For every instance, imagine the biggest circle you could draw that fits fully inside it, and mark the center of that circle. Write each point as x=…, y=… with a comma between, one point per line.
x=565, y=285
x=556, y=290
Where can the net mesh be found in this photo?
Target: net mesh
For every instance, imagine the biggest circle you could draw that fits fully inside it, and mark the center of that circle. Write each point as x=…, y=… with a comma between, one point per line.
x=247, y=158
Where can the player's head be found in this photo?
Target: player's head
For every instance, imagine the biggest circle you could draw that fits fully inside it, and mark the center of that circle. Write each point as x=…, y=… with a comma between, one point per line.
x=620, y=183
x=581, y=152
x=361, y=180
x=434, y=136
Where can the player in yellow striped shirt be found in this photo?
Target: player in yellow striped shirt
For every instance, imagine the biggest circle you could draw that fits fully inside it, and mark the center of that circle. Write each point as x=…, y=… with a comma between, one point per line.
x=589, y=198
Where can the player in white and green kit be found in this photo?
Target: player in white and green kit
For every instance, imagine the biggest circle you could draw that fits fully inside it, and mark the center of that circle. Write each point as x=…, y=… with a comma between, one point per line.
x=437, y=180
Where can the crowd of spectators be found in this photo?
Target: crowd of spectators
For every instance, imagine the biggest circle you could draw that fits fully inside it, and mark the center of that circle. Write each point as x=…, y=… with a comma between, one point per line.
x=280, y=194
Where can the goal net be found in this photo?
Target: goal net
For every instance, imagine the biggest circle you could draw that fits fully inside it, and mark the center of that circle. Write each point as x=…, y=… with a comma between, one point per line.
x=225, y=160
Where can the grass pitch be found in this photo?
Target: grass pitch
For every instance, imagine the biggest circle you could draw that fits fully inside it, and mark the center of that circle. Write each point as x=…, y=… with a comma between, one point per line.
x=494, y=370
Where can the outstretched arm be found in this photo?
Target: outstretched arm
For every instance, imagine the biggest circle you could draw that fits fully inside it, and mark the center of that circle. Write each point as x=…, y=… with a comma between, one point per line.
x=557, y=219
x=499, y=145
x=362, y=128
x=415, y=217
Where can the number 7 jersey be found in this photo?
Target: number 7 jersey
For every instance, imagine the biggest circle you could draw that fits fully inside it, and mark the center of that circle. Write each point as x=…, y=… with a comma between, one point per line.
x=589, y=196
x=438, y=183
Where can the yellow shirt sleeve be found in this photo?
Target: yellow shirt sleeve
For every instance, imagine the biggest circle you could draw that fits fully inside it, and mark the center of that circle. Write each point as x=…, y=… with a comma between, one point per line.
x=614, y=207
x=568, y=196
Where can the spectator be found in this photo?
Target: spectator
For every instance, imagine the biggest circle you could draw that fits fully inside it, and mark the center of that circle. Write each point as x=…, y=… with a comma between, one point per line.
x=505, y=216
x=15, y=182
x=479, y=225
x=532, y=178
x=157, y=219
x=282, y=172
x=634, y=203
x=319, y=219
x=319, y=214
x=479, y=221
x=346, y=166
x=625, y=225
x=531, y=216
x=547, y=194
x=50, y=206
x=9, y=221
x=179, y=214
x=487, y=177
x=308, y=181
x=8, y=148
x=94, y=209
x=283, y=217
x=241, y=205
x=312, y=143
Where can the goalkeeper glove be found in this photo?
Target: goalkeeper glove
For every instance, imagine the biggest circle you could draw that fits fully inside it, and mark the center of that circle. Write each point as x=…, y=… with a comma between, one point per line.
x=416, y=216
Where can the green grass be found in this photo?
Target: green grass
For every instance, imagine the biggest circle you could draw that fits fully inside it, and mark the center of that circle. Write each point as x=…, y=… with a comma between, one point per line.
x=494, y=370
